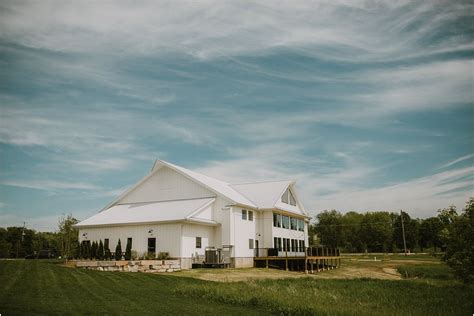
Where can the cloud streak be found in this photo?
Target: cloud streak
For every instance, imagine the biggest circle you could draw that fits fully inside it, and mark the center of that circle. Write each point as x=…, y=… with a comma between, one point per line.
x=350, y=31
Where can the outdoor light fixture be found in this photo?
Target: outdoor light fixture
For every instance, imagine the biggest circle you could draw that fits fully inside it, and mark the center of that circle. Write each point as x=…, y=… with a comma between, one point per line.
x=150, y=231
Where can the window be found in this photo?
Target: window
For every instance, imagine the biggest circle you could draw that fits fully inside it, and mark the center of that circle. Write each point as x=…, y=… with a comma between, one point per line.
x=288, y=244
x=250, y=243
x=250, y=216
x=301, y=245
x=244, y=214
x=284, y=197
x=285, y=222
x=301, y=225
x=106, y=243
x=276, y=220
x=284, y=244
x=292, y=198
x=277, y=243
x=288, y=197
x=293, y=223
x=129, y=241
x=152, y=245
x=198, y=242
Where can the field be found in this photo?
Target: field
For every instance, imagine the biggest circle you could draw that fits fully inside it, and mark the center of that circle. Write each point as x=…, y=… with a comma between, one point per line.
x=418, y=285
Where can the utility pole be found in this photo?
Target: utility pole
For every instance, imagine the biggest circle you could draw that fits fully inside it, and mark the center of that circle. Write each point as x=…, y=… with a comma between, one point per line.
x=403, y=231
x=23, y=232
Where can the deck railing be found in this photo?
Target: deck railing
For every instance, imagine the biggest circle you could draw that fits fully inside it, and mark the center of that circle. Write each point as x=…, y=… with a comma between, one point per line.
x=297, y=252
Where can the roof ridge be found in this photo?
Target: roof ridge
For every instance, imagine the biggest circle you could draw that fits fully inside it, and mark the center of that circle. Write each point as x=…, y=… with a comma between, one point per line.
x=201, y=174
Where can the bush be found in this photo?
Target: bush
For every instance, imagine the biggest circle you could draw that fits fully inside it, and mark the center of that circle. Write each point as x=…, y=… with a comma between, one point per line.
x=94, y=250
x=460, y=241
x=100, y=251
x=128, y=250
x=118, y=251
x=163, y=255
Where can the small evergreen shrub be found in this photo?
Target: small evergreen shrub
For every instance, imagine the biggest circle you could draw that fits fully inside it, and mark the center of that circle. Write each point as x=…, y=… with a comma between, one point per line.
x=118, y=251
x=128, y=250
x=94, y=250
x=100, y=251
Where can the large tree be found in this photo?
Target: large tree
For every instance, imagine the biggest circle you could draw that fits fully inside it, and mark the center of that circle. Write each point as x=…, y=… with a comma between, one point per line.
x=329, y=229
x=68, y=235
x=430, y=230
x=376, y=231
x=460, y=243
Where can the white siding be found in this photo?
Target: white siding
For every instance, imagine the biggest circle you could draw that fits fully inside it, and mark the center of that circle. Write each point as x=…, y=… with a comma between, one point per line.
x=205, y=213
x=166, y=184
x=243, y=231
x=190, y=232
x=267, y=229
x=168, y=237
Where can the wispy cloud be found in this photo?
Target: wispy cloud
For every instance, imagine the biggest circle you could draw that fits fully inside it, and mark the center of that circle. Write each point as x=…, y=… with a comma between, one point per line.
x=350, y=31
x=49, y=185
x=458, y=160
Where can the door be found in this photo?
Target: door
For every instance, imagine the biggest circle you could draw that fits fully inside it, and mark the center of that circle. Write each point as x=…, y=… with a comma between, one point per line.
x=152, y=246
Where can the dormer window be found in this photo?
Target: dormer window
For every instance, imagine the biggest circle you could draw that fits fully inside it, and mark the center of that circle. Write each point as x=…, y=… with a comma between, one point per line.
x=288, y=197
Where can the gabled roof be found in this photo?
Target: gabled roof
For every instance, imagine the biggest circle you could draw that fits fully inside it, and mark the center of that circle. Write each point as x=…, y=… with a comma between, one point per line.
x=139, y=213
x=217, y=186
x=263, y=194
x=257, y=195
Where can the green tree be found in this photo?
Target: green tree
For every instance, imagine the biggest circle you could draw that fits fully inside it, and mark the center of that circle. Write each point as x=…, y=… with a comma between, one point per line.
x=329, y=229
x=128, y=250
x=68, y=235
x=411, y=232
x=376, y=231
x=118, y=251
x=351, y=232
x=100, y=251
x=430, y=230
x=460, y=244
x=5, y=245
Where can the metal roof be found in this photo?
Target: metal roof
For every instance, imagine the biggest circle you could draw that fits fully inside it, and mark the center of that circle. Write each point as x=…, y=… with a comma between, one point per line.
x=148, y=212
x=218, y=186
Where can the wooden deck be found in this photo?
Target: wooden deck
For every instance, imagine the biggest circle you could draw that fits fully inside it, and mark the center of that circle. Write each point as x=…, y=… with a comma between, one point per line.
x=312, y=259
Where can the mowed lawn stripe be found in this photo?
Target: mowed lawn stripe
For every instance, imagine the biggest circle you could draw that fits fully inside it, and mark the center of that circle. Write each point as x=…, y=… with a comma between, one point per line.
x=37, y=287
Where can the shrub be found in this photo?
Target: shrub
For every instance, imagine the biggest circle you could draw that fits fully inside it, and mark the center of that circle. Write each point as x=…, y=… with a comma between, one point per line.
x=163, y=255
x=118, y=251
x=100, y=251
x=460, y=241
x=94, y=250
x=128, y=250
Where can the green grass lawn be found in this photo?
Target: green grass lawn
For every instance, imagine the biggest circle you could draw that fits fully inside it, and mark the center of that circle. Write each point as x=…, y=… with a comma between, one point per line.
x=39, y=287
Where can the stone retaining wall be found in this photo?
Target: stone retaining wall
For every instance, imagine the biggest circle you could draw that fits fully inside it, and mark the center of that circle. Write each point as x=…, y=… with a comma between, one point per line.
x=131, y=266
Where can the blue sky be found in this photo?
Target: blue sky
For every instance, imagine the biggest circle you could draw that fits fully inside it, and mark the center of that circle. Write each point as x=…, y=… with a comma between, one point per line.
x=367, y=104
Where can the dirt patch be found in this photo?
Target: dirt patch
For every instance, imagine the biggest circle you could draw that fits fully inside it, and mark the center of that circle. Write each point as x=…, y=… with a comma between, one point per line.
x=346, y=272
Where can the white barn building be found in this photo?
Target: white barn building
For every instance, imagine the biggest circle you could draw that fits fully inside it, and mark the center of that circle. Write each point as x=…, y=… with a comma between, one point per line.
x=182, y=212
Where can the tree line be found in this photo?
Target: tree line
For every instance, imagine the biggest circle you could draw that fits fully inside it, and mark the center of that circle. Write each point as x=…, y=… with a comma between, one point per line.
x=19, y=242
x=449, y=232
